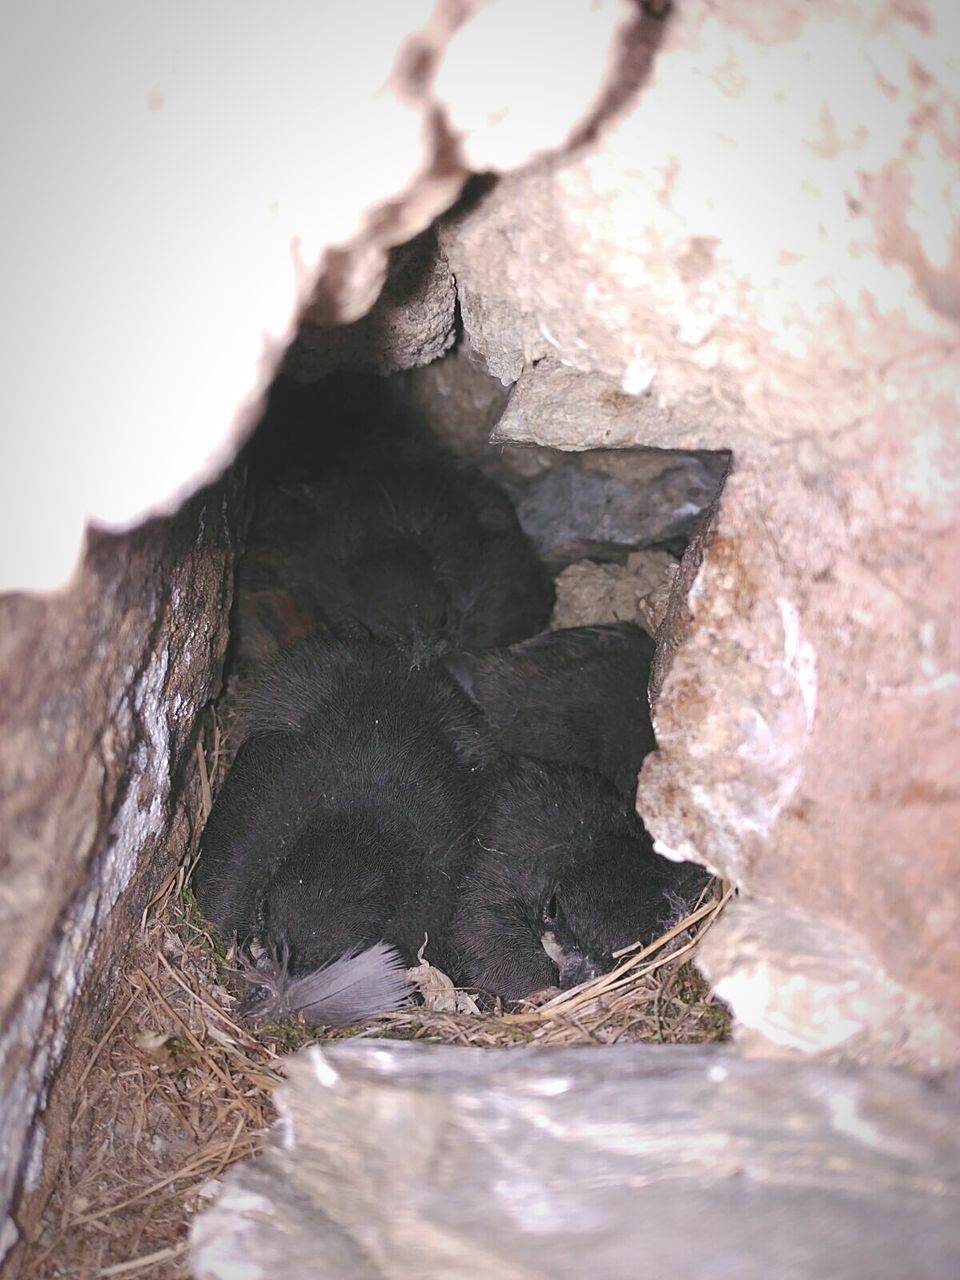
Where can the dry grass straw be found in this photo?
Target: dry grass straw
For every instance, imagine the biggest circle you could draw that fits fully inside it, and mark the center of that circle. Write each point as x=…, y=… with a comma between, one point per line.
x=175, y=1090
x=653, y=995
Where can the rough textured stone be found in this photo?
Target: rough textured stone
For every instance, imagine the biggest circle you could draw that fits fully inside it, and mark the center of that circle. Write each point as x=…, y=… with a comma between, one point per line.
x=555, y=405
x=808, y=721
x=393, y=1160
x=410, y=324
x=639, y=498
x=461, y=403
x=722, y=246
x=803, y=982
x=637, y=591
x=722, y=252
x=100, y=690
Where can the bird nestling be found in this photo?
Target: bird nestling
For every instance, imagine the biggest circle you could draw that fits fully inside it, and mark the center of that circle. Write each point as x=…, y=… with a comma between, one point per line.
x=347, y=817
x=577, y=696
x=401, y=544
x=565, y=876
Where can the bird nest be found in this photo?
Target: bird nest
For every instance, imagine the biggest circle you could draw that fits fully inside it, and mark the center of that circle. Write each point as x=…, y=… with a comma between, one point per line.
x=176, y=1089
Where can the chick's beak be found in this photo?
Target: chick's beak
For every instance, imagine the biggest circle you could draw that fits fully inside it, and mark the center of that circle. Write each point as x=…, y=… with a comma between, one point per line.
x=575, y=968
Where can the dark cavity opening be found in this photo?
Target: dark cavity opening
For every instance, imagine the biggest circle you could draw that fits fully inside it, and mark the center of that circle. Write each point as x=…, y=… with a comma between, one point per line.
x=530, y=583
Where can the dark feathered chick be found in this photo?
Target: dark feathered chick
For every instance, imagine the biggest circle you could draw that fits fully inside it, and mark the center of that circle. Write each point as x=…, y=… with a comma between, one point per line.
x=577, y=696
x=400, y=544
x=349, y=811
x=565, y=875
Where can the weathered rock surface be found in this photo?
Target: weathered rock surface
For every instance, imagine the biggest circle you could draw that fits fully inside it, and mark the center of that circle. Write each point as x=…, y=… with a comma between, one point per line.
x=410, y=324
x=618, y=500
x=100, y=690
x=723, y=245
x=751, y=246
x=808, y=723
x=803, y=982
x=637, y=591
x=722, y=266
x=393, y=1160
x=459, y=401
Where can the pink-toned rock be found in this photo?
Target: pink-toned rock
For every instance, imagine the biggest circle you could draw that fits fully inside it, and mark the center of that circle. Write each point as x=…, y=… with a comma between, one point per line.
x=823, y=776
x=725, y=268
x=721, y=246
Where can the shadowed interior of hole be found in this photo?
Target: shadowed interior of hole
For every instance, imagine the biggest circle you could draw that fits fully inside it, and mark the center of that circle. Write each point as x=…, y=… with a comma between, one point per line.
x=186, y=963
x=596, y=507
x=611, y=526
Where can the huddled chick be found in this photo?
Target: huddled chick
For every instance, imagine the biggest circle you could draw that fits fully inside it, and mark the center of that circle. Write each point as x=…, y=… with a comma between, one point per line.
x=346, y=821
x=566, y=874
x=399, y=544
x=564, y=877
x=417, y=763
x=577, y=696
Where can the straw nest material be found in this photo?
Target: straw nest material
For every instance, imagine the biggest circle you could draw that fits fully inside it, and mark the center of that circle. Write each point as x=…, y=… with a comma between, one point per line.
x=176, y=1090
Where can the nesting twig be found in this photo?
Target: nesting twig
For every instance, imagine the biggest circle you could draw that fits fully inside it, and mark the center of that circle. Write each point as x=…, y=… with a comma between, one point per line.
x=177, y=1089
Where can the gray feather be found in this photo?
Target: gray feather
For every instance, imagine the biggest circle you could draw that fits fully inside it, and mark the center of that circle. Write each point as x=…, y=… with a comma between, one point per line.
x=357, y=986
x=464, y=668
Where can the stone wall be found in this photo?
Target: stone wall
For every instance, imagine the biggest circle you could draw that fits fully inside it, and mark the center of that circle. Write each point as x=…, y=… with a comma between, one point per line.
x=759, y=253
x=734, y=228
x=101, y=690
x=392, y=1160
